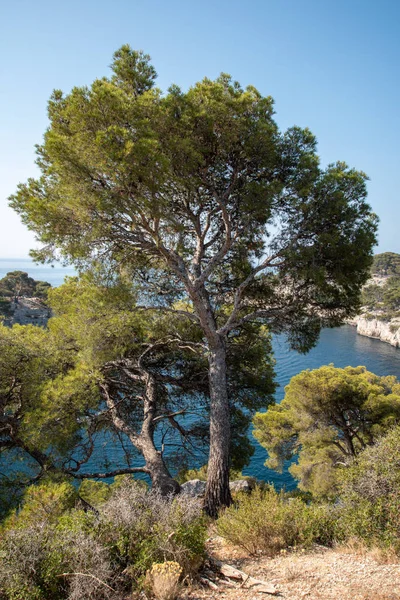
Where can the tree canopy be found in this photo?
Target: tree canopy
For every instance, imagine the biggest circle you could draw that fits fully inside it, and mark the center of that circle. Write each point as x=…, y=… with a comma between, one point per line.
x=18, y=283
x=387, y=263
x=202, y=199
x=326, y=418
x=106, y=368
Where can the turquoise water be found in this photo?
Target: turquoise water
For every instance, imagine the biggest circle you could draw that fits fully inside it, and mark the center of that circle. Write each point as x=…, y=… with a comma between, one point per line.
x=340, y=346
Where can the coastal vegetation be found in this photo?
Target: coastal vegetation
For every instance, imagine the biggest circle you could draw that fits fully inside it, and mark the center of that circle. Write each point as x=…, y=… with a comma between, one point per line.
x=386, y=264
x=60, y=540
x=223, y=222
x=110, y=541
x=103, y=369
x=382, y=294
x=327, y=417
x=198, y=230
x=18, y=283
x=53, y=550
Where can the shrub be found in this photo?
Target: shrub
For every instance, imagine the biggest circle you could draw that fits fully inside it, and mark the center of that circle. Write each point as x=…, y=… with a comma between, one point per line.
x=51, y=551
x=43, y=503
x=370, y=494
x=164, y=580
x=22, y=552
x=54, y=561
x=268, y=521
x=95, y=492
x=77, y=563
x=142, y=528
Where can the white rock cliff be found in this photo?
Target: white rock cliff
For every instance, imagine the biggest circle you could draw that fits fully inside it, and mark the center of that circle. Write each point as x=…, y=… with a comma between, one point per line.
x=386, y=331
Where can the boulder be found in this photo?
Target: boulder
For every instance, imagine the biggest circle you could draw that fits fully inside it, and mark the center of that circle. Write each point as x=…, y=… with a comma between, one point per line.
x=194, y=488
x=241, y=485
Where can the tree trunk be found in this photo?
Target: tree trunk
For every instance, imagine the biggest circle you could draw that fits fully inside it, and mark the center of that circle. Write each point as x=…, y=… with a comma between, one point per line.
x=160, y=476
x=161, y=479
x=217, y=490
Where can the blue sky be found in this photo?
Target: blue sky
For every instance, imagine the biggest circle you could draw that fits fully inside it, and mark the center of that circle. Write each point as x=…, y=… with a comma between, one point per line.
x=331, y=66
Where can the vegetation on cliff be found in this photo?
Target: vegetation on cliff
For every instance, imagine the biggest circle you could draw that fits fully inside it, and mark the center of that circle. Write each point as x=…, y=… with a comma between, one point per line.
x=386, y=264
x=19, y=283
x=382, y=295
x=16, y=284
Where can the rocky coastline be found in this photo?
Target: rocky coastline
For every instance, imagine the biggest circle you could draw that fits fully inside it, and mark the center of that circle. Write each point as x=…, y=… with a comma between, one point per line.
x=374, y=326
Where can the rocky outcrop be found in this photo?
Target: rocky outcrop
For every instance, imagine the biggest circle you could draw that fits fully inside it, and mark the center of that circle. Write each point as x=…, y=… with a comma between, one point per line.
x=197, y=488
x=241, y=485
x=386, y=331
x=28, y=311
x=194, y=488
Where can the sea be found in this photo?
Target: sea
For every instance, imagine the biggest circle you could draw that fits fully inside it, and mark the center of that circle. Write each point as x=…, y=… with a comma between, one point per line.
x=340, y=346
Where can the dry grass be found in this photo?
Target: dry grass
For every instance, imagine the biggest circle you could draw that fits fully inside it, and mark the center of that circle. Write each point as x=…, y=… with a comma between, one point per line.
x=356, y=547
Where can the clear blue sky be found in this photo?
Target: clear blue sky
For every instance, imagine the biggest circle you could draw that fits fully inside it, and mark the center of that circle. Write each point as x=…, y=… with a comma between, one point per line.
x=330, y=65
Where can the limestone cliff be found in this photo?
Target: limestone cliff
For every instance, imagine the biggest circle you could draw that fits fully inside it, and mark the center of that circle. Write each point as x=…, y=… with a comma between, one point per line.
x=375, y=327
x=28, y=311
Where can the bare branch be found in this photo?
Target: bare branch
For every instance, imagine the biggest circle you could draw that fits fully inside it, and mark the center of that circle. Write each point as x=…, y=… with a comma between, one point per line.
x=86, y=575
x=179, y=312
x=108, y=474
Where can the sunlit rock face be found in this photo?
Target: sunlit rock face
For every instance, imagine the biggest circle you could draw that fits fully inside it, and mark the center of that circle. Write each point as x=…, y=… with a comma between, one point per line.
x=28, y=311
x=386, y=331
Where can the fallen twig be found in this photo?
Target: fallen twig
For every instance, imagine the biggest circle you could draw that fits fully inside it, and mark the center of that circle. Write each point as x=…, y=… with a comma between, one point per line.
x=87, y=575
x=208, y=582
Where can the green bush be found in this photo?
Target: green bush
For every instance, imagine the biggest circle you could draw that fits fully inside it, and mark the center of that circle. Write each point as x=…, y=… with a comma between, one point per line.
x=370, y=494
x=269, y=521
x=51, y=550
x=43, y=503
x=95, y=492
x=140, y=528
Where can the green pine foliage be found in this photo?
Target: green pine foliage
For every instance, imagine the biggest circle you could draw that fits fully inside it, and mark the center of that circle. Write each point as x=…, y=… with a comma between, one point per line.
x=18, y=283
x=387, y=263
x=328, y=416
x=201, y=199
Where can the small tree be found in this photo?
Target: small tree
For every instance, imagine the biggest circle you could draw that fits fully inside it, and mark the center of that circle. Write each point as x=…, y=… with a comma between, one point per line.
x=328, y=416
x=201, y=198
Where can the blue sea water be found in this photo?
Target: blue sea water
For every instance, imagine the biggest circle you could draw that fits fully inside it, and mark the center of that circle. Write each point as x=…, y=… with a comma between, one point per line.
x=340, y=346
x=53, y=274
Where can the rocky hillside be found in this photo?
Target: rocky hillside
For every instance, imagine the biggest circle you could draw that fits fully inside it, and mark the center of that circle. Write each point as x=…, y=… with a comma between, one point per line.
x=27, y=311
x=23, y=300
x=376, y=327
x=380, y=315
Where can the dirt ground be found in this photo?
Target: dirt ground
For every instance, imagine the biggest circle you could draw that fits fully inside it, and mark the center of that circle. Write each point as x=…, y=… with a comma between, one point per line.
x=320, y=574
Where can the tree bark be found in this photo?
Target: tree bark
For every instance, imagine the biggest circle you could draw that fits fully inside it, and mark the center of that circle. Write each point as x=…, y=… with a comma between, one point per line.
x=160, y=477
x=217, y=489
